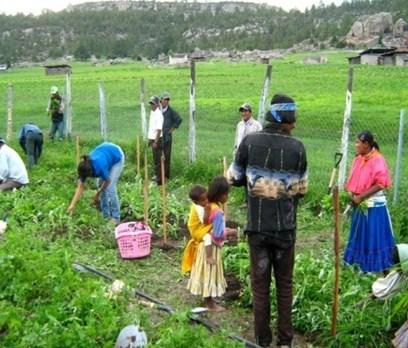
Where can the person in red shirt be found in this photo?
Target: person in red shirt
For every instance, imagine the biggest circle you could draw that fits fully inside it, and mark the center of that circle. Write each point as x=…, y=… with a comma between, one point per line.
x=371, y=241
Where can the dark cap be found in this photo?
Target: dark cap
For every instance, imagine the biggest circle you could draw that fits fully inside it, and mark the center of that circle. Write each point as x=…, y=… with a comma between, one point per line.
x=245, y=107
x=2, y=141
x=154, y=100
x=165, y=95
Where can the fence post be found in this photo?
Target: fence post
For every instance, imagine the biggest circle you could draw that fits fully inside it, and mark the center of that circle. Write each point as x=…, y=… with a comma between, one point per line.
x=192, y=127
x=346, y=130
x=264, y=94
x=143, y=110
x=78, y=150
x=399, y=157
x=9, y=112
x=68, y=106
x=102, y=112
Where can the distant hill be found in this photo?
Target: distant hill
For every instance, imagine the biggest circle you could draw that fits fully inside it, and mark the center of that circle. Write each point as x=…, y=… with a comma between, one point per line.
x=146, y=29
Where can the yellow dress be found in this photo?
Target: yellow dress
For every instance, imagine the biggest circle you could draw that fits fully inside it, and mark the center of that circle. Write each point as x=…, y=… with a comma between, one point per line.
x=197, y=231
x=207, y=280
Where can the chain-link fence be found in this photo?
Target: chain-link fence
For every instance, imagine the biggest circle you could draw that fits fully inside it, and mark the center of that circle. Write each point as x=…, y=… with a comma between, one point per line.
x=319, y=92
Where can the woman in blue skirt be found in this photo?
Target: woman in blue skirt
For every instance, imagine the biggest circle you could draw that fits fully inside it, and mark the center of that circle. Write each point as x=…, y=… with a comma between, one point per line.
x=371, y=241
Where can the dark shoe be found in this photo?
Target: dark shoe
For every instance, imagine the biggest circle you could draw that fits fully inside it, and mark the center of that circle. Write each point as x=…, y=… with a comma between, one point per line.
x=263, y=342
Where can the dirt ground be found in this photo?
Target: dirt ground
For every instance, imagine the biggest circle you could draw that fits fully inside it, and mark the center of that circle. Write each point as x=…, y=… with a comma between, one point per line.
x=235, y=320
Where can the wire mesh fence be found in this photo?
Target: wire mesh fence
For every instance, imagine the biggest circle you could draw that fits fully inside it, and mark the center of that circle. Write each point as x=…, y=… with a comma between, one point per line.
x=218, y=96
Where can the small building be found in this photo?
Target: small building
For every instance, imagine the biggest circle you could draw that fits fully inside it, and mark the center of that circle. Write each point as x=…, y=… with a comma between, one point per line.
x=354, y=60
x=178, y=58
x=402, y=60
x=398, y=57
x=264, y=60
x=371, y=55
x=315, y=60
x=61, y=69
x=199, y=55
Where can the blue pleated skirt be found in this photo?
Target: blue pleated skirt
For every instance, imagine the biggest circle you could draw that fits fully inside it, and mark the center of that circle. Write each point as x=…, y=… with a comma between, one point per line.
x=371, y=243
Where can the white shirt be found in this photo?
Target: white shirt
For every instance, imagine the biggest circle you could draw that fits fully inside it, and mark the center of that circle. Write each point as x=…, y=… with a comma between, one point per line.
x=245, y=128
x=12, y=166
x=155, y=124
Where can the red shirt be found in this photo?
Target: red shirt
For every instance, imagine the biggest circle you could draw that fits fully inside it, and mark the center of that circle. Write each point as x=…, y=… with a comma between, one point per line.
x=367, y=171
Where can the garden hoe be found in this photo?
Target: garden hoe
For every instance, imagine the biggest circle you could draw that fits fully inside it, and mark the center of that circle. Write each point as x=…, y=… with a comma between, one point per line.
x=154, y=303
x=337, y=159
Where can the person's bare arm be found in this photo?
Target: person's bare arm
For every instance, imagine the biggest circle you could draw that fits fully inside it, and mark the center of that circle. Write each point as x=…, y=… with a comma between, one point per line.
x=104, y=185
x=77, y=196
x=357, y=199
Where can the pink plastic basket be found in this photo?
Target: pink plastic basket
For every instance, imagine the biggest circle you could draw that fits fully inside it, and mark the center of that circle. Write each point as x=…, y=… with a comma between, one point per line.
x=133, y=239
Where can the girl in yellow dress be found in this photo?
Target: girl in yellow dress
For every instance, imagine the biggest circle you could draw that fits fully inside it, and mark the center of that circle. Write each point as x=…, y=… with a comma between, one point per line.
x=203, y=252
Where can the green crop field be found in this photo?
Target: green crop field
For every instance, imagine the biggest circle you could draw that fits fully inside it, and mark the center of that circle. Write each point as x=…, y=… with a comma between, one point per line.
x=44, y=302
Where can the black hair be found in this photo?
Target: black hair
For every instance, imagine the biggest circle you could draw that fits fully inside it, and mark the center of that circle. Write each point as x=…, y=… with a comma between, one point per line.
x=85, y=168
x=367, y=137
x=196, y=192
x=288, y=116
x=218, y=186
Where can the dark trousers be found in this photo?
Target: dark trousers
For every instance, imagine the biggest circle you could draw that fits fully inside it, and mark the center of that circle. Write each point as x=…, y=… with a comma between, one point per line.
x=265, y=254
x=57, y=126
x=33, y=145
x=167, y=157
x=157, y=152
x=9, y=185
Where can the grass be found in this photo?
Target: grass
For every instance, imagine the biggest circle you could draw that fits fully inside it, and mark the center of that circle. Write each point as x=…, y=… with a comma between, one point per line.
x=67, y=309
x=319, y=90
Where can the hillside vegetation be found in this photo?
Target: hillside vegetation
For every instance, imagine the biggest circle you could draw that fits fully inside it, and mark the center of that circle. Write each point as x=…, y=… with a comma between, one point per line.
x=145, y=29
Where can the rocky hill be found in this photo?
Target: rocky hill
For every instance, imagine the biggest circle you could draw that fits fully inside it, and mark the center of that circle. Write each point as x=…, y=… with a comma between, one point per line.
x=146, y=29
x=378, y=29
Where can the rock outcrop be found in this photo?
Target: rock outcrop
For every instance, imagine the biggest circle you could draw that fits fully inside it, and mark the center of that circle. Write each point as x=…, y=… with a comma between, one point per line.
x=377, y=29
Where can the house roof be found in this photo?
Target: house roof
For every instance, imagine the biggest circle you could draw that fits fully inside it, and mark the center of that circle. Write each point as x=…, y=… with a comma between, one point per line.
x=377, y=50
x=396, y=51
x=57, y=66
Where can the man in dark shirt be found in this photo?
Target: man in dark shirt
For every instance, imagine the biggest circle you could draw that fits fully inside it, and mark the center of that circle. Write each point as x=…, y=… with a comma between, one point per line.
x=272, y=165
x=171, y=121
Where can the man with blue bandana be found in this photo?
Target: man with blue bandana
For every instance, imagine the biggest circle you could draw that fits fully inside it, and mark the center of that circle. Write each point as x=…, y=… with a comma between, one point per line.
x=272, y=164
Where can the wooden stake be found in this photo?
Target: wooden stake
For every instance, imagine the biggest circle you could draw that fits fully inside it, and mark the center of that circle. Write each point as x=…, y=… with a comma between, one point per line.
x=78, y=150
x=346, y=129
x=146, y=191
x=102, y=112
x=143, y=122
x=68, y=105
x=192, y=116
x=9, y=112
x=164, y=199
x=264, y=93
x=335, y=306
x=138, y=154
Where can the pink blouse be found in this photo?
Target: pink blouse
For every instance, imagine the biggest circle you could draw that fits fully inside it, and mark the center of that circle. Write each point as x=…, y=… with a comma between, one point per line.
x=367, y=171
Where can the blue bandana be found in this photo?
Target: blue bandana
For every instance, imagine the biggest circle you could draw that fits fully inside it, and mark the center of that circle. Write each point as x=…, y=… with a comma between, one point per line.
x=274, y=108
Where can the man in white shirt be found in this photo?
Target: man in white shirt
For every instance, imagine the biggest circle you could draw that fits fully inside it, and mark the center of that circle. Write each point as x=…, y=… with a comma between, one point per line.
x=13, y=173
x=154, y=135
x=246, y=126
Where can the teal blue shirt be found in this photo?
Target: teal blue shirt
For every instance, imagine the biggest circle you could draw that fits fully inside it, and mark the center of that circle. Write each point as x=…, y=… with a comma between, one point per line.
x=103, y=158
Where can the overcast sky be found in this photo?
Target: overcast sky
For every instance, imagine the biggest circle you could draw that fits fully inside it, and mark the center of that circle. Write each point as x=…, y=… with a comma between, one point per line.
x=36, y=6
